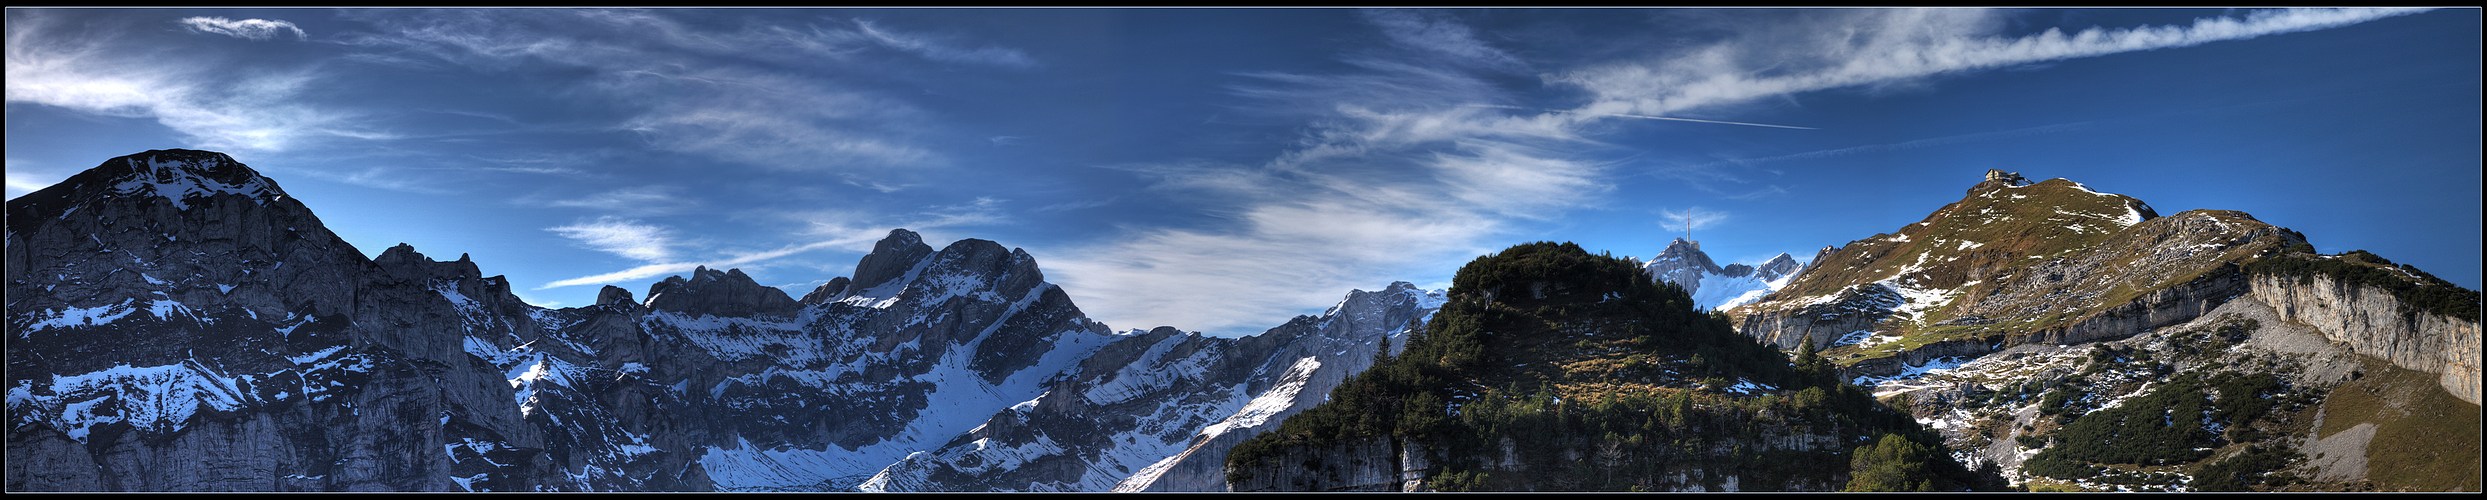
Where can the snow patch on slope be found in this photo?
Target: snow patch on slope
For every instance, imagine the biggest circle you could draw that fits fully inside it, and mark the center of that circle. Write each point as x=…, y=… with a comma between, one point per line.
x=734, y=339
x=177, y=182
x=1148, y=373
x=78, y=316
x=1276, y=399
x=163, y=399
x=961, y=400
x=1254, y=413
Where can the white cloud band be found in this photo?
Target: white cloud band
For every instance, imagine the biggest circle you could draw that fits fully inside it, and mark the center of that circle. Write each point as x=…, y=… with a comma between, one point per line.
x=247, y=29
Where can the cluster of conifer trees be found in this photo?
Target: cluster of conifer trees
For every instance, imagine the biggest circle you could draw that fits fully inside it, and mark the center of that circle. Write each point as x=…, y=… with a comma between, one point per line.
x=1483, y=380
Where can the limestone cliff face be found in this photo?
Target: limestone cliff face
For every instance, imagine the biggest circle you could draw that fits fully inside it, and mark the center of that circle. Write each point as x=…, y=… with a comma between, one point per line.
x=1821, y=322
x=2374, y=323
x=1370, y=464
x=2162, y=307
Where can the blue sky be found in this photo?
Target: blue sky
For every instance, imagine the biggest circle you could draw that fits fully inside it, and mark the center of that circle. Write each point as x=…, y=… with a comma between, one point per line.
x=1224, y=169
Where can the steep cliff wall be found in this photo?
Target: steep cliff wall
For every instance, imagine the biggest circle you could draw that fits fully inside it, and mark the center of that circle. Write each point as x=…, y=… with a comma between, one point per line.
x=2374, y=323
x=1369, y=464
x=1852, y=309
x=2162, y=307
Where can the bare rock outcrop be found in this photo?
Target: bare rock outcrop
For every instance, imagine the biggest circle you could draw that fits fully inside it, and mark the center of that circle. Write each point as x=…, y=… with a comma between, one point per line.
x=2374, y=323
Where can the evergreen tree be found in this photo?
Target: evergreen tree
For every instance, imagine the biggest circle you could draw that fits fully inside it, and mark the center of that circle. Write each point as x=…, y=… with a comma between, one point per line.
x=1892, y=463
x=1381, y=355
x=1806, y=358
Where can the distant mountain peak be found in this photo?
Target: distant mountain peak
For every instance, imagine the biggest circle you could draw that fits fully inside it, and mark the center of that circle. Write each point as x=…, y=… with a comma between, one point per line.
x=1688, y=252
x=1712, y=286
x=1397, y=292
x=719, y=293
x=1778, y=267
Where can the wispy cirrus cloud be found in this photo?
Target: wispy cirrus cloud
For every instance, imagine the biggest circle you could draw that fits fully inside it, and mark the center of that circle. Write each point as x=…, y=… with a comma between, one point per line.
x=635, y=200
x=1860, y=47
x=1813, y=51
x=1689, y=218
x=801, y=126
x=22, y=180
x=939, y=49
x=792, y=95
x=1415, y=157
x=247, y=29
x=619, y=236
x=692, y=87
x=1647, y=117
x=844, y=230
x=1436, y=31
x=856, y=229
x=378, y=177
x=88, y=68
x=1390, y=179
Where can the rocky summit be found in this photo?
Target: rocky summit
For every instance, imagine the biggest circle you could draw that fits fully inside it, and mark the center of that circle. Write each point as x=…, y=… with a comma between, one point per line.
x=175, y=307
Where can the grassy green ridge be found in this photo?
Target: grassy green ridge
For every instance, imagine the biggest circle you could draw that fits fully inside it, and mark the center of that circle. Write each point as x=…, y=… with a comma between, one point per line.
x=2006, y=228
x=2001, y=288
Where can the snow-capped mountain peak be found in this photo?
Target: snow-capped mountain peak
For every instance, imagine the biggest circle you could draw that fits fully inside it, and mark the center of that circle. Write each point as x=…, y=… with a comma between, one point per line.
x=1714, y=287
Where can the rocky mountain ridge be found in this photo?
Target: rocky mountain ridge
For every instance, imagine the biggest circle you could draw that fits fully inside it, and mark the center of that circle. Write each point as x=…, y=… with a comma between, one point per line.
x=180, y=323
x=2001, y=319
x=1157, y=413
x=172, y=307
x=305, y=367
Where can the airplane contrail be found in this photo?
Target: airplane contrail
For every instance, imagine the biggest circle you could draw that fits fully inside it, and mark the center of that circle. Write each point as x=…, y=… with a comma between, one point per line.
x=1644, y=117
